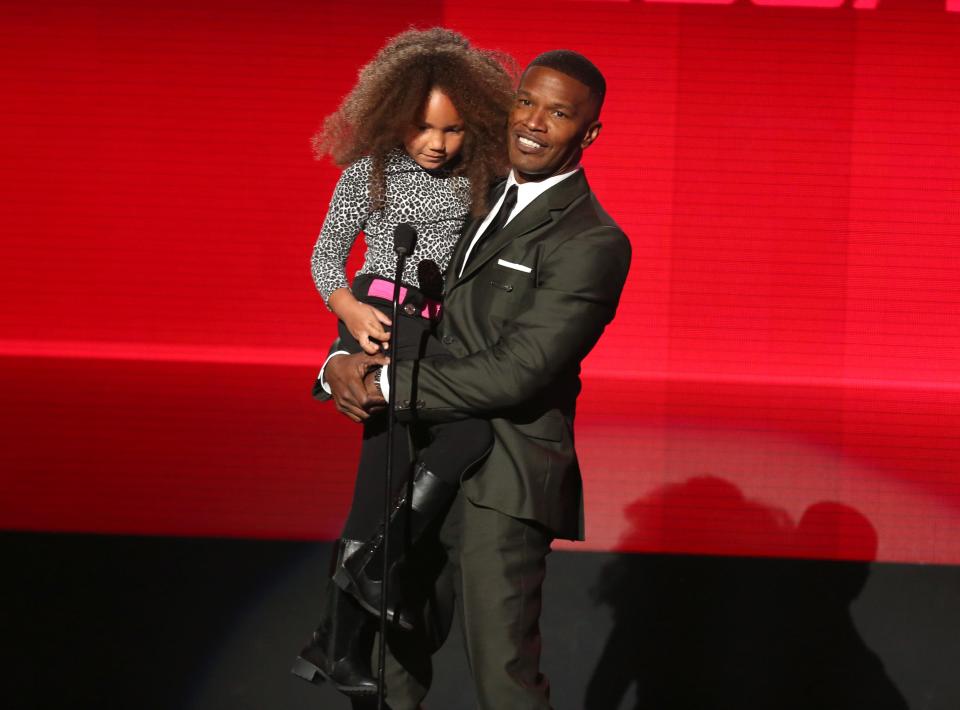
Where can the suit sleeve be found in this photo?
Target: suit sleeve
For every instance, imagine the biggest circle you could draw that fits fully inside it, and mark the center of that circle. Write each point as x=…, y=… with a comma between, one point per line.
x=579, y=287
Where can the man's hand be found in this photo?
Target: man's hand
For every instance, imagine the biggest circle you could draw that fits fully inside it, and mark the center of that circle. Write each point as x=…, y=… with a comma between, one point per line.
x=350, y=380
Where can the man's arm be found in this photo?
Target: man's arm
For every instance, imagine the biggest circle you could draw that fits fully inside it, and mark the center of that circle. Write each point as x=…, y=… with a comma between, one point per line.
x=321, y=390
x=580, y=285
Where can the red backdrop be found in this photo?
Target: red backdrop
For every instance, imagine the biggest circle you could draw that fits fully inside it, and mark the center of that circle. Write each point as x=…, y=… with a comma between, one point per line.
x=782, y=377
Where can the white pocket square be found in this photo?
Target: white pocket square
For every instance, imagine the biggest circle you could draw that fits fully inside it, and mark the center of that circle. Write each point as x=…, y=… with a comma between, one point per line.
x=516, y=267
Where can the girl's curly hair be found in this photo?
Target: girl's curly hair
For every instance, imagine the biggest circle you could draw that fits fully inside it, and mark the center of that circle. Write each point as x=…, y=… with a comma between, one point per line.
x=390, y=94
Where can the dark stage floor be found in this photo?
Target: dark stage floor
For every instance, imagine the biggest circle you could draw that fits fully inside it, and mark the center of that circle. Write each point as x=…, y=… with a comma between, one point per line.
x=132, y=622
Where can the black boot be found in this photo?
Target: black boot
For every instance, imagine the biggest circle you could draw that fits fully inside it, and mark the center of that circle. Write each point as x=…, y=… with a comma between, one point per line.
x=361, y=574
x=342, y=644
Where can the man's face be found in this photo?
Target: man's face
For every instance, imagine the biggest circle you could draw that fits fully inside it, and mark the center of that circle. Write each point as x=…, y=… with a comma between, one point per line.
x=553, y=120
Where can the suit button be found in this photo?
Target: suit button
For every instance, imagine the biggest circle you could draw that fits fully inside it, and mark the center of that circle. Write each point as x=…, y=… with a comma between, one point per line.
x=447, y=340
x=410, y=309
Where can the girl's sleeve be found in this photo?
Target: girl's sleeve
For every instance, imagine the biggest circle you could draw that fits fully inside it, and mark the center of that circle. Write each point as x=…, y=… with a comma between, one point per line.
x=346, y=218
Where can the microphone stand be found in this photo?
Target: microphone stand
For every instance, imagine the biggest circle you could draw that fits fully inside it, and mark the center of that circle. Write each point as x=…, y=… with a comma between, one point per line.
x=403, y=238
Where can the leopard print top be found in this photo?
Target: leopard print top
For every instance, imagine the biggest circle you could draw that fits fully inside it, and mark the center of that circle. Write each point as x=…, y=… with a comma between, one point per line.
x=433, y=202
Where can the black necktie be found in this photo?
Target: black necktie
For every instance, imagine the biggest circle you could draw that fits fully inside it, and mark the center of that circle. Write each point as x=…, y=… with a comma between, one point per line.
x=496, y=224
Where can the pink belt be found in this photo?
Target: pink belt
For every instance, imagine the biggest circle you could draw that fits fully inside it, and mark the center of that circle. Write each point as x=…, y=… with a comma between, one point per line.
x=381, y=288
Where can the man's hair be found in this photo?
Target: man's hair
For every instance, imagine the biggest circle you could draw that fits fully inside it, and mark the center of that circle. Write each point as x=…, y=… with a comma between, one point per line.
x=577, y=66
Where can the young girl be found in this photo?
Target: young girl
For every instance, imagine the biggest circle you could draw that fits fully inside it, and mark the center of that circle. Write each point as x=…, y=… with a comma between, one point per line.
x=423, y=136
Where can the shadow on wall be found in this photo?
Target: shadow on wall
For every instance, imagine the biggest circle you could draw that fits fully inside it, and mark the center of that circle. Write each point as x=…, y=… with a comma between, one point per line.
x=725, y=633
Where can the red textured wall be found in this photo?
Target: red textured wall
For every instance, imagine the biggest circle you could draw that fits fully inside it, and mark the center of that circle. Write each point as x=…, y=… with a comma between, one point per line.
x=782, y=375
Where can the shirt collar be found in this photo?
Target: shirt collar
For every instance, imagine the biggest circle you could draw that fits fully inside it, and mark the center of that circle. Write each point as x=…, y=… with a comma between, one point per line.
x=527, y=192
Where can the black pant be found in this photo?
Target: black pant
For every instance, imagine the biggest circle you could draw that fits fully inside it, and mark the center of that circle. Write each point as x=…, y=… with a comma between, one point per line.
x=447, y=450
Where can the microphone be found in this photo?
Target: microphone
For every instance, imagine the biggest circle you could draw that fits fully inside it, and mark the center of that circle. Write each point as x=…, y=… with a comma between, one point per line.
x=404, y=237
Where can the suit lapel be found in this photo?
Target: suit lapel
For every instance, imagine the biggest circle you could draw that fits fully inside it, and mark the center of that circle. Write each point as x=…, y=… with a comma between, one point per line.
x=541, y=211
x=460, y=249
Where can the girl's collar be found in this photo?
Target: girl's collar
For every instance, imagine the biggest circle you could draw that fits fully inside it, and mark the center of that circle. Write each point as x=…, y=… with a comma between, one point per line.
x=402, y=159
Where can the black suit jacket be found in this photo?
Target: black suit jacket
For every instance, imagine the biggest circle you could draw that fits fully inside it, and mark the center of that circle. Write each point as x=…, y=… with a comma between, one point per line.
x=518, y=338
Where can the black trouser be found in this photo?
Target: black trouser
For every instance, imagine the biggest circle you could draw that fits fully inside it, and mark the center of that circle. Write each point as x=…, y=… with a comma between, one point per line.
x=449, y=448
x=491, y=571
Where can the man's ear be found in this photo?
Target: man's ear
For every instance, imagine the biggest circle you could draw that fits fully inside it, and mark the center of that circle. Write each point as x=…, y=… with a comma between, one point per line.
x=590, y=135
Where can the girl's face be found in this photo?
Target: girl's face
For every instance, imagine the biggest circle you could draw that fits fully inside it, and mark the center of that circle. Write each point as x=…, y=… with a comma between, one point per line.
x=437, y=136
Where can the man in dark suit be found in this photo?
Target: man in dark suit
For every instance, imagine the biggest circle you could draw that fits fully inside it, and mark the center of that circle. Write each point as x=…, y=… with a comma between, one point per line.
x=530, y=289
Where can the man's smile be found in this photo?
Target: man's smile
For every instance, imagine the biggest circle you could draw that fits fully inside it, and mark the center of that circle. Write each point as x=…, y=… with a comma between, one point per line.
x=528, y=144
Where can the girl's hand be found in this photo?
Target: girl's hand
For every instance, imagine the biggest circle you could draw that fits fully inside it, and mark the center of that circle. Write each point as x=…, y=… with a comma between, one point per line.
x=364, y=322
